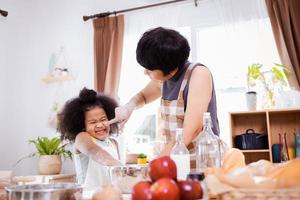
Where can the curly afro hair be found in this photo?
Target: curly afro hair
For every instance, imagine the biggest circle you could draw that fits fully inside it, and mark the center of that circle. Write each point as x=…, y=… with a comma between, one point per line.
x=72, y=117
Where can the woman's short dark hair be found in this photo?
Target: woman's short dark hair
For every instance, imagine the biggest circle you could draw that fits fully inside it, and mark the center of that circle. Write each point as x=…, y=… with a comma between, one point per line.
x=163, y=49
x=71, y=120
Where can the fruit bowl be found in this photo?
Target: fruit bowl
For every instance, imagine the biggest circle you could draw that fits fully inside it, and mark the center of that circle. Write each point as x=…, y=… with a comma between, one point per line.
x=126, y=176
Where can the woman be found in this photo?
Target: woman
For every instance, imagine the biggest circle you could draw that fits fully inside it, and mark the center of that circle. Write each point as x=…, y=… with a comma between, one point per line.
x=186, y=89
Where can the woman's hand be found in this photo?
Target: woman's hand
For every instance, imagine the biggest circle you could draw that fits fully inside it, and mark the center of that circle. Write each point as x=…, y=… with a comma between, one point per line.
x=167, y=148
x=122, y=114
x=150, y=93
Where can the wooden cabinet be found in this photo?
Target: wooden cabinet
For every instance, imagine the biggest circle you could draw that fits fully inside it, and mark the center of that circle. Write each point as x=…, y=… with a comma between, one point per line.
x=271, y=122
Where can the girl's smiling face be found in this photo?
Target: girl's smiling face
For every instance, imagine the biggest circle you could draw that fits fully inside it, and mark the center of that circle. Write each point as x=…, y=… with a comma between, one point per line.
x=96, y=123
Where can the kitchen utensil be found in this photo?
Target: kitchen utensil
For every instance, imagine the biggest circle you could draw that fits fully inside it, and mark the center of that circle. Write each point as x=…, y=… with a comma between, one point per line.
x=297, y=144
x=286, y=146
x=292, y=153
x=284, y=151
x=57, y=191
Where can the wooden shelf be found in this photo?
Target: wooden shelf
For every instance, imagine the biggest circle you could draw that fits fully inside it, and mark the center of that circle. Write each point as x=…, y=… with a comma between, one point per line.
x=53, y=79
x=255, y=151
x=247, y=112
x=272, y=122
x=288, y=110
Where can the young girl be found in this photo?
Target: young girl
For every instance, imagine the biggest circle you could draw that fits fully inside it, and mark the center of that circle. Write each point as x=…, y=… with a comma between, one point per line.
x=84, y=122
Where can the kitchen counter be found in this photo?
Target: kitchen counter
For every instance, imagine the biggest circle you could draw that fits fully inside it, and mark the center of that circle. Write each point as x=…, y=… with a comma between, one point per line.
x=88, y=193
x=33, y=179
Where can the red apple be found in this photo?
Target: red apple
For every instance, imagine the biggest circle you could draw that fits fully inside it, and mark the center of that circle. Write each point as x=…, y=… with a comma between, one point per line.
x=165, y=189
x=162, y=167
x=141, y=191
x=197, y=189
x=186, y=190
x=190, y=190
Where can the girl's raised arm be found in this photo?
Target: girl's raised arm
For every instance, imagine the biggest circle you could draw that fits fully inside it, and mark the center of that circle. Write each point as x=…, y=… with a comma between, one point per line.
x=85, y=144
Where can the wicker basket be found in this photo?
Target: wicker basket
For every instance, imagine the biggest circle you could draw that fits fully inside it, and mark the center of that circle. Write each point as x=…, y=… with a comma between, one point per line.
x=261, y=194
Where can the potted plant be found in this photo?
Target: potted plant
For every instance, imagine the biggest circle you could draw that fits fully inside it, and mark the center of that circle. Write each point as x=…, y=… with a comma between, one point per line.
x=141, y=159
x=278, y=74
x=50, y=152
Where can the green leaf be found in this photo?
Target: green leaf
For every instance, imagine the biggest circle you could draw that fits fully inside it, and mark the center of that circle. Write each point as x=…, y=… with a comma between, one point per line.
x=284, y=68
x=44, y=142
x=254, y=71
x=141, y=155
x=53, y=146
x=280, y=65
x=286, y=73
x=278, y=74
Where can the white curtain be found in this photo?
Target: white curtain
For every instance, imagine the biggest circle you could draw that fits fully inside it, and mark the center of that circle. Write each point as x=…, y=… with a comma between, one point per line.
x=216, y=32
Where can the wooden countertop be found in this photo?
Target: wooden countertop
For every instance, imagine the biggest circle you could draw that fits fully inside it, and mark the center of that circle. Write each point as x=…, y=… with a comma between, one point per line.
x=56, y=178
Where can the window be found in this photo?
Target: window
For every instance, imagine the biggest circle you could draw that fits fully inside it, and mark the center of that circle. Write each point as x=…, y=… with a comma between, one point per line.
x=226, y=49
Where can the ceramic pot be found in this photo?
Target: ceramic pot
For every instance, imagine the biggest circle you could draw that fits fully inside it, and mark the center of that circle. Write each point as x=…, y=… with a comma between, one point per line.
x=141, y=160
x=49, y=164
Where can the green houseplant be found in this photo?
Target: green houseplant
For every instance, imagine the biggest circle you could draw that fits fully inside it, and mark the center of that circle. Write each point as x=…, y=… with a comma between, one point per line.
x=278, y=74
x=50, y=152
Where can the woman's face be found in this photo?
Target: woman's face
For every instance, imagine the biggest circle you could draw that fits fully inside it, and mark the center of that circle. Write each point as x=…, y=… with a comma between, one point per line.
x=96, y=123
x=158, y=75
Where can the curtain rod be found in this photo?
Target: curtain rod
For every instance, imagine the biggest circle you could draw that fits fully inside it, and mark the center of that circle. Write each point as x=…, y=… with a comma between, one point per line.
x=3, y=13
x=106, y=14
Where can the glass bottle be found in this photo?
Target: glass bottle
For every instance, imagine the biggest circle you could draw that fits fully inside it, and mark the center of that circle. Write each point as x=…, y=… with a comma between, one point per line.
x=208, y=146
x=181, y=156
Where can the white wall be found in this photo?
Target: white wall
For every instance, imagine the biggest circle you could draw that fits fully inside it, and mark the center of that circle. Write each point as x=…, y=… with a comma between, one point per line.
x=31, y=33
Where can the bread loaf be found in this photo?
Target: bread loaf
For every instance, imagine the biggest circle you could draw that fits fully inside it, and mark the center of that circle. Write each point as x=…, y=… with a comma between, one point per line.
x=233, y=159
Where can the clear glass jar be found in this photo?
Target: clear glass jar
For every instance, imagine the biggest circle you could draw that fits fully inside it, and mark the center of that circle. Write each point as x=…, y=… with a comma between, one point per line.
x=126, y=176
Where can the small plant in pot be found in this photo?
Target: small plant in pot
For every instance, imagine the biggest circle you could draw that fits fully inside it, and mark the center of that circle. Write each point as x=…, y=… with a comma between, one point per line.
x=50, y=152
x=142, y=158
x=276, y=74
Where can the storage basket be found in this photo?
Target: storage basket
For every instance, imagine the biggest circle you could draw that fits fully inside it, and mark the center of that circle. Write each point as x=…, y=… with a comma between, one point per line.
x=261, y=194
